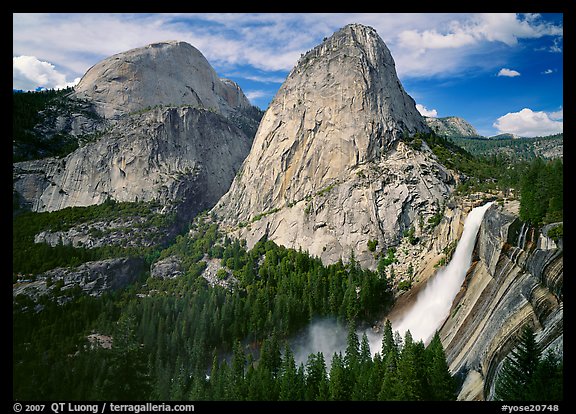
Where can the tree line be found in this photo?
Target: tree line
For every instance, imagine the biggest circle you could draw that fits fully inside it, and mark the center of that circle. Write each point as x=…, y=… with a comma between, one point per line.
x=178, y=337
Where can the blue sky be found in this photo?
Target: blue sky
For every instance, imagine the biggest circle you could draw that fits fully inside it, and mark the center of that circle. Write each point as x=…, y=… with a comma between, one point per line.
x=502, y=72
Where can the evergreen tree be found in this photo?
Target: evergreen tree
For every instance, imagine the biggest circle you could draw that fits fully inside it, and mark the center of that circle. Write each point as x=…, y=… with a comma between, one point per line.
x=339, y=384
x=236, y=378
x=363, y=387
x=127, y=376
x=518, y=368
x=290, y=388
x=352, y=355
x=442, y=384
x=316, y=378
x=547, y=382
x=390, y=388
x=389, y=345
x=410, y=370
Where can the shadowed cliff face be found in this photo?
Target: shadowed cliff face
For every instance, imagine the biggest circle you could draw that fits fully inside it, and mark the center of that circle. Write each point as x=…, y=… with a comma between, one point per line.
x=328, y=170
x=515, y=279
x=185, y=155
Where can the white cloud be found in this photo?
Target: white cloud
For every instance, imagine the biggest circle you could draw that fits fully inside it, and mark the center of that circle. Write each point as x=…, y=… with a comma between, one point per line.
x=426, y=112
x=510, y=73
x=528, y=123
x=547, y=72
x=493, y=27
x=423, y=44
x=256, y=94
x=557, y=115
x=30, y=73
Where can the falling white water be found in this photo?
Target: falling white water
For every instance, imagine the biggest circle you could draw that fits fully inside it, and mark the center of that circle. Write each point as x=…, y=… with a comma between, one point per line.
x=433, y=304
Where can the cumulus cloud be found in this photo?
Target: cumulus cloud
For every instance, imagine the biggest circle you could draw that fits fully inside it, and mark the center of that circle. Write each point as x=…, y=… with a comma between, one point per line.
x=557, y=115
x=30, y=73
x=528, y=123
x=426, y=112
x=510, y=73
x=423, y=44
x=547, y=72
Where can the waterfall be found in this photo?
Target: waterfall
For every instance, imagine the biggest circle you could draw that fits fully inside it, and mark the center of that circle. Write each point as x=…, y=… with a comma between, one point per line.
x=522, y=236
x=433, y=303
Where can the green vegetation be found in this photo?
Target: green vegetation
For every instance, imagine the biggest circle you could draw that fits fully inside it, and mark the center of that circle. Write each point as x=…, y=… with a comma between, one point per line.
x=33, y=258
x=372, y=245
x=180, y=339
x=29, y=109
x=542, y=192
x=388, y=259
x=182, y=326
x=526, y=375
x=518, y=149
x=410, y=235
x=266, y=213
x=556, y=232
x=538, y=181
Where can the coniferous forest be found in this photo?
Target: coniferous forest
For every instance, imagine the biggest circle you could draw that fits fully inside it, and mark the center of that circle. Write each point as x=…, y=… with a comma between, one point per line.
x=179, y=339
x=182, y=339
x=185, y=338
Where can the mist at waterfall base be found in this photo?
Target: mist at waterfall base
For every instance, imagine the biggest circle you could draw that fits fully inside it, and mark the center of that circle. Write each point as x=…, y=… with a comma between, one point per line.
x=324, y=335
x=423, y=318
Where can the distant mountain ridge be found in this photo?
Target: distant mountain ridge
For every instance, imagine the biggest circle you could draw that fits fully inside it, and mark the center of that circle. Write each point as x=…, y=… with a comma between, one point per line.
x=549, y=147
x=451, y=126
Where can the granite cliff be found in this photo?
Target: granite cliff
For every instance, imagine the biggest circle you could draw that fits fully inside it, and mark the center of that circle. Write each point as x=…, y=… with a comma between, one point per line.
x=328, y=169
x=174, y=132
x=452, y=126
x=516, y=278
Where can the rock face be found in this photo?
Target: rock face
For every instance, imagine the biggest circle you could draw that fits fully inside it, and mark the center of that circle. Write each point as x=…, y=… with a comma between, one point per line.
x=452, y=126
x=185, y=155
x=93, y=278
x=168, y=73
x=516, y=279
x=176, y=154
x=328, y=170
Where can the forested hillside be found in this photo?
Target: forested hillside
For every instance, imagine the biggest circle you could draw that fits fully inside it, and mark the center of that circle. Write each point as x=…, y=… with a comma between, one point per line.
x=516, y=149
x=33, y=108
x=185, y=337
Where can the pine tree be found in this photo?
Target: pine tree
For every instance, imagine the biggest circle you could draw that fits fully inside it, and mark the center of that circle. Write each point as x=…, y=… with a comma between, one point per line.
x=442, y=384
x=339, y=383
x=352, y=355
x=389, y=345
x=316, y=378
x=547, y=383
x=411, y=374
x=289, y=387
x=128, y=377
x=237, y=386
x=362, y=389
x=518, y=368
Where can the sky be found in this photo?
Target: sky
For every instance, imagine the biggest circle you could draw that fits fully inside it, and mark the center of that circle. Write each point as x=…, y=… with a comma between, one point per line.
x=501, y=72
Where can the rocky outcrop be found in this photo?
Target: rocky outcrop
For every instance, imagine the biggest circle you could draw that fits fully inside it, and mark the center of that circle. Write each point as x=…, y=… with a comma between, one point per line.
x=328, y=170
x=183, y=155
x=92, y=278
x=167, y=268
x=451, y=126
x=169, y=73
x=513, y=281
x=124, y=232
x=175, y=133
